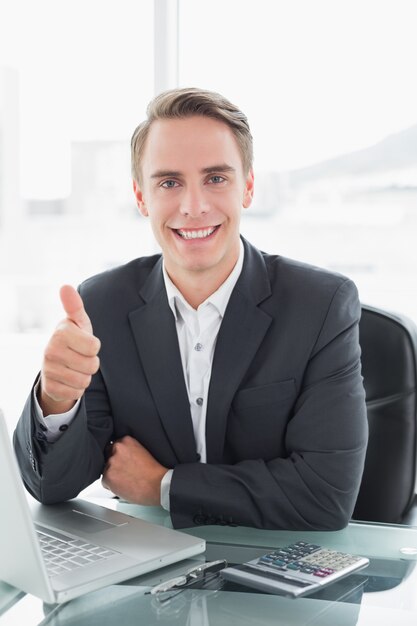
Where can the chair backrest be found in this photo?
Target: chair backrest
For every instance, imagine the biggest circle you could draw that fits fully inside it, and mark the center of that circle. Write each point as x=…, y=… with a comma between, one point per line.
x=389, y=369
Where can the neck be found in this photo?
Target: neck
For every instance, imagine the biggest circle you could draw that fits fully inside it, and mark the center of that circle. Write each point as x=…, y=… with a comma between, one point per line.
x=196, y=286
x=197, y=289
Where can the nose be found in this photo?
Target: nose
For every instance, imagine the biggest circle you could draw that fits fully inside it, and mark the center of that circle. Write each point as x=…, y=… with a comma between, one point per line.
x=193, y=202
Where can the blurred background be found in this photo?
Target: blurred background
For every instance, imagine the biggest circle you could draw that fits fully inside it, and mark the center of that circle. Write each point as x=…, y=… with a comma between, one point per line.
x=328, y=89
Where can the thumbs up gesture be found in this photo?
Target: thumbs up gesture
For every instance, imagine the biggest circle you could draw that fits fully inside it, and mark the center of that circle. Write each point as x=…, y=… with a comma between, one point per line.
x=70, y=357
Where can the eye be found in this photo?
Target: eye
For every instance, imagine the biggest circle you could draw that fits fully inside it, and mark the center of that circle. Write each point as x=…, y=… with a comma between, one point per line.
x=216, y=179
x=169, y=184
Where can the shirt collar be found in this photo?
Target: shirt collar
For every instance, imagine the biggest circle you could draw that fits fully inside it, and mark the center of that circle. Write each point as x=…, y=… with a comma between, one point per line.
x=218, y=299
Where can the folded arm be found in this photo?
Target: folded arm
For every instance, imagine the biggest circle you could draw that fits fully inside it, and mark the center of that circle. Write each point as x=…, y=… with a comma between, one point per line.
x=315, y=485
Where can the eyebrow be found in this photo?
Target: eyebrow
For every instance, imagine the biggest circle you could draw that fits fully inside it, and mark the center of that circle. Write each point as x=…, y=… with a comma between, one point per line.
x=165, y=173
x=218, y=168
x=223, y=167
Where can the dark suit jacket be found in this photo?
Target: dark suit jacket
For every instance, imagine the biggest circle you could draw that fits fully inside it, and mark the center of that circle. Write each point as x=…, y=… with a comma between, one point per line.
x=286, y=420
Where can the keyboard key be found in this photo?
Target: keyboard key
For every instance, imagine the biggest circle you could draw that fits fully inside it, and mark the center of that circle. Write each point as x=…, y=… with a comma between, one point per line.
x=94, y=557
x=80, y=560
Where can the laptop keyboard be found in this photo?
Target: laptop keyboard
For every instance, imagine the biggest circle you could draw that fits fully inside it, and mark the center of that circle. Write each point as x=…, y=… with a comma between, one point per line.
x=62, y=553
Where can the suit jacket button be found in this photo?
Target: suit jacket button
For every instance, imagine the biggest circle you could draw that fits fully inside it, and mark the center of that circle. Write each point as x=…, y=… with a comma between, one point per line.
x=199, y=519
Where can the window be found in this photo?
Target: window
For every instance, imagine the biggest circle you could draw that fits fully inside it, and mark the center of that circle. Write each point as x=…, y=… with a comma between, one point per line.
x=75, y=78
x=330, y=94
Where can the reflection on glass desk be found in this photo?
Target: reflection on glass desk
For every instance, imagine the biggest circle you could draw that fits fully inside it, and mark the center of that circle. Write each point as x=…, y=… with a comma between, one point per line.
x=385, y=593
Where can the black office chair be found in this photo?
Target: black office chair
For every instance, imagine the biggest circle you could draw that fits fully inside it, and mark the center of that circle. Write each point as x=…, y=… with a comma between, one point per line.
x=389, y=368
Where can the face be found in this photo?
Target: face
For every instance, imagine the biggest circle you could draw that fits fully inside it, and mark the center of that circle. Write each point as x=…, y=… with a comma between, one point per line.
x=193, y=189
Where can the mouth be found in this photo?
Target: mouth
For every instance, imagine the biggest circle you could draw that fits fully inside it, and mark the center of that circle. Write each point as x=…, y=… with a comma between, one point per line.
x=196, y=233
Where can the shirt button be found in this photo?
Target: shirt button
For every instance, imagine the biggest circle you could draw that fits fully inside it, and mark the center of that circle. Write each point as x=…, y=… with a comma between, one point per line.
x=199, y=401
x=198, y=347
x=63, y=427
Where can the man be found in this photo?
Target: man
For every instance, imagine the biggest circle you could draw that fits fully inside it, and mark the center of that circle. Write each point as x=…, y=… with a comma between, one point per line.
x=228, y=386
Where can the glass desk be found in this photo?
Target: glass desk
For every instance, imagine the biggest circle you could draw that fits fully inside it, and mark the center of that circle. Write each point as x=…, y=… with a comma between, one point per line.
x=385, y=593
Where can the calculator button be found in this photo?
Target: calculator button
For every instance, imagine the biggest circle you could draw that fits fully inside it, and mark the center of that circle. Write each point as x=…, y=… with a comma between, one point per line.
x=294, y=566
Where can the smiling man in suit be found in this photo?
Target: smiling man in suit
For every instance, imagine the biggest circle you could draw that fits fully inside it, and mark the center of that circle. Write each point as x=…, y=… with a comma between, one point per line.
x=217, y=380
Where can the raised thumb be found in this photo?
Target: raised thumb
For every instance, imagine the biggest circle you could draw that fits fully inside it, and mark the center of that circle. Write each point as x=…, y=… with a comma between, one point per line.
x=74, y=308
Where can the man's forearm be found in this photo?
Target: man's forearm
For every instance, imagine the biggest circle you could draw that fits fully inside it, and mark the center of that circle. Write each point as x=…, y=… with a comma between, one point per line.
x=54, y=472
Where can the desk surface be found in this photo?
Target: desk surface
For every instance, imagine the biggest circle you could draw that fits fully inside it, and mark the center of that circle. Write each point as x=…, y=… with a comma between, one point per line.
x=384, y=594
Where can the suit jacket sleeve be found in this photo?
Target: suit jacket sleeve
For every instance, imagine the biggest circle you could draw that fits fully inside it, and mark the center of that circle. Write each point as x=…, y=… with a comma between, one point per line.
x=54, y=472
x=316, y=484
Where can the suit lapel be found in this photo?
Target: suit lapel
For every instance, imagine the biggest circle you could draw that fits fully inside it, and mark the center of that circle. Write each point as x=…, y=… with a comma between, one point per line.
x=243, y=328
x=153, y=328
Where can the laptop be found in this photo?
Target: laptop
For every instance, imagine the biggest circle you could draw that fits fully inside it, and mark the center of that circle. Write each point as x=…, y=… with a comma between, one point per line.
x=61, y=551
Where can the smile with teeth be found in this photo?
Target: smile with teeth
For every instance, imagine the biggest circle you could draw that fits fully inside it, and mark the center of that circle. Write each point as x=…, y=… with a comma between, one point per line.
x=196, y=234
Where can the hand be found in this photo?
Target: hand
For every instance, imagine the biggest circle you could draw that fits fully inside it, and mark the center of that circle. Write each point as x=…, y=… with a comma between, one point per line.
x=70, y=357
x=133, y=473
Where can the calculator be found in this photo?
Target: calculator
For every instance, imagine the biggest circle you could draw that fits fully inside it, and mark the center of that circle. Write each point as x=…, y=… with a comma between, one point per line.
x=295, y=570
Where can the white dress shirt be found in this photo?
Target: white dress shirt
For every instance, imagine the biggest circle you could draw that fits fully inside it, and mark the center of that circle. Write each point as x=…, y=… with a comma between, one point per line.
x=197, y=331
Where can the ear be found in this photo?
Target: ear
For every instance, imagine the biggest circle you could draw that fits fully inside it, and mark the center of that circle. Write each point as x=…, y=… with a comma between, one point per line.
x=249, y=188
x=140, y=200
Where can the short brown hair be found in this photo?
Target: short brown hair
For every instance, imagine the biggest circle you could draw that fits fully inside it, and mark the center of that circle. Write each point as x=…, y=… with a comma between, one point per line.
x=188, y=102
